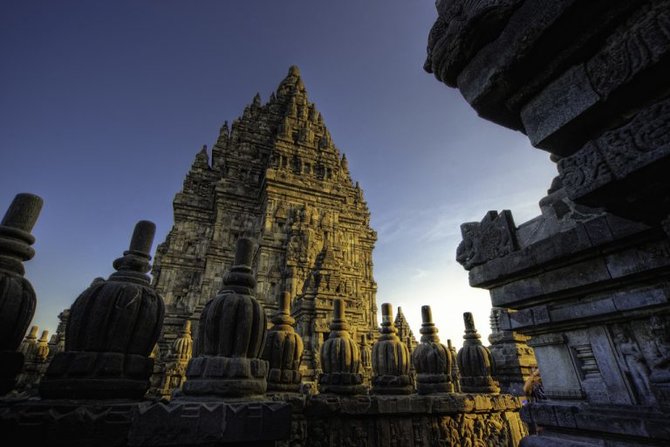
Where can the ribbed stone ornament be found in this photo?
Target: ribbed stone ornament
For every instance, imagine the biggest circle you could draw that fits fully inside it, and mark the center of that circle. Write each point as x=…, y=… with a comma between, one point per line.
x=431, y=359
x=340, y=357
x=230, y=337
x=475, y=362
x=112, y=328
x=17, y=297
x=283, y=349
x=390, y=359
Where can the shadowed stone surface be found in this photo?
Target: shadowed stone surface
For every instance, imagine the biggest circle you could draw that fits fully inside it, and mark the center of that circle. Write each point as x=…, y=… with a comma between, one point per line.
x=231, y=334
x=112, y=328
x=584, y=80
x=587, y=280
x=17, y=297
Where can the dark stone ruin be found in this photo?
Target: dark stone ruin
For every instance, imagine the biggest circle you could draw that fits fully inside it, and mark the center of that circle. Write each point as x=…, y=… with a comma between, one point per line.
x=585, y=284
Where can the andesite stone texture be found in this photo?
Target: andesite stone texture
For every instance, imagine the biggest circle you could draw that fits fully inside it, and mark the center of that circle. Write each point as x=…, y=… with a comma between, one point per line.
x=585, y=81
x=390, y=359
x=283, y=350
x=112, y=328
x=230, y=338
x=513, y=358
x=475, y=362
x=17, y=297
x=340, y=357
x=432, y=361
x=587, y=280
x=274, y=175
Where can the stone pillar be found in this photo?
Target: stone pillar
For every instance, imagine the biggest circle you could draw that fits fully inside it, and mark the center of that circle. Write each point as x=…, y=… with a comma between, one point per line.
x=390, y=359
x=112, y=328
x=230, y=337
x=17, y=297
x=432, y=360
x=475, y=362
x=283, y=349
x=340, y=357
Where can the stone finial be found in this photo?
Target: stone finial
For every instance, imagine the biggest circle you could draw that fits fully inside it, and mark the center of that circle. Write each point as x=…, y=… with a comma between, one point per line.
x=283, y=349
x=340, y=357
x=432, y=361
x=455, y=374
x=29, y=344
x=17, y=297
x=183, y=345
x=175, y=371
x=112, y=328
x=230, y=336
x=475, y=362
x=42, y=351
x=134, y=264
x=390, y=359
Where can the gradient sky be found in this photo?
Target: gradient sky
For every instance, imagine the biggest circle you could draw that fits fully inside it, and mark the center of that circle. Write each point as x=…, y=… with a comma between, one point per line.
x=104, y=104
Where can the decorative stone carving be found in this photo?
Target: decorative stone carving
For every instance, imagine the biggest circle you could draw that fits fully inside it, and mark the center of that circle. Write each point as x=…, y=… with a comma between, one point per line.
x=182, y=351
x=660, y=331
x=513, y=358
x=431, y=359
x=635, y=366
x=588, y=174
x=390, y=359
x=493, y=237
x=17, y=297
x=230, y=337
x=340, y=357
x=283, y=349
x=475, y=362
x=460, y=30
x=112, y=328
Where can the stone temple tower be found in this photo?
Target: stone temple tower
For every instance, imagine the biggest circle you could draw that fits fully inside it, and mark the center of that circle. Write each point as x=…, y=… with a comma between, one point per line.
x=277, y=177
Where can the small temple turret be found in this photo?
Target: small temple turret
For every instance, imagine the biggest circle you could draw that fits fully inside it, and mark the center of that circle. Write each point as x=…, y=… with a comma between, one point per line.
x=17, y=297
x=390, y=359
x=475, y=362
x=283, y=349
x=112, y=328
x=340, y=357
x=432, y=360
x=181, y=353
x=231, y=334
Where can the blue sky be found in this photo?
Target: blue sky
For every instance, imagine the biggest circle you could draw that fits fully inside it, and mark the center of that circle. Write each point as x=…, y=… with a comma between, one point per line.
x=104, y=105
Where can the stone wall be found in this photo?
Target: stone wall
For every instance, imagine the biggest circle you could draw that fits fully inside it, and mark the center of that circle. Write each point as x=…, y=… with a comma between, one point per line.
x=587, y=280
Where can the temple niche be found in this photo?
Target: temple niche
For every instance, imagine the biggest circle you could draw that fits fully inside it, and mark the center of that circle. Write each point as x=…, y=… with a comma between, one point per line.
x=274, y=175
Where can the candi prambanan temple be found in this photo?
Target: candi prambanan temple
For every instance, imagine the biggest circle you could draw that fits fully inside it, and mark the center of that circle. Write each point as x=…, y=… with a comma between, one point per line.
x=272, y=242
x=276, y=176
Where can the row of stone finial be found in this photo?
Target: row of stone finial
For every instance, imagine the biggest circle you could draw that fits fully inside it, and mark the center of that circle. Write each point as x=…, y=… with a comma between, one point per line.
x=114, y=324
x=434, y=363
